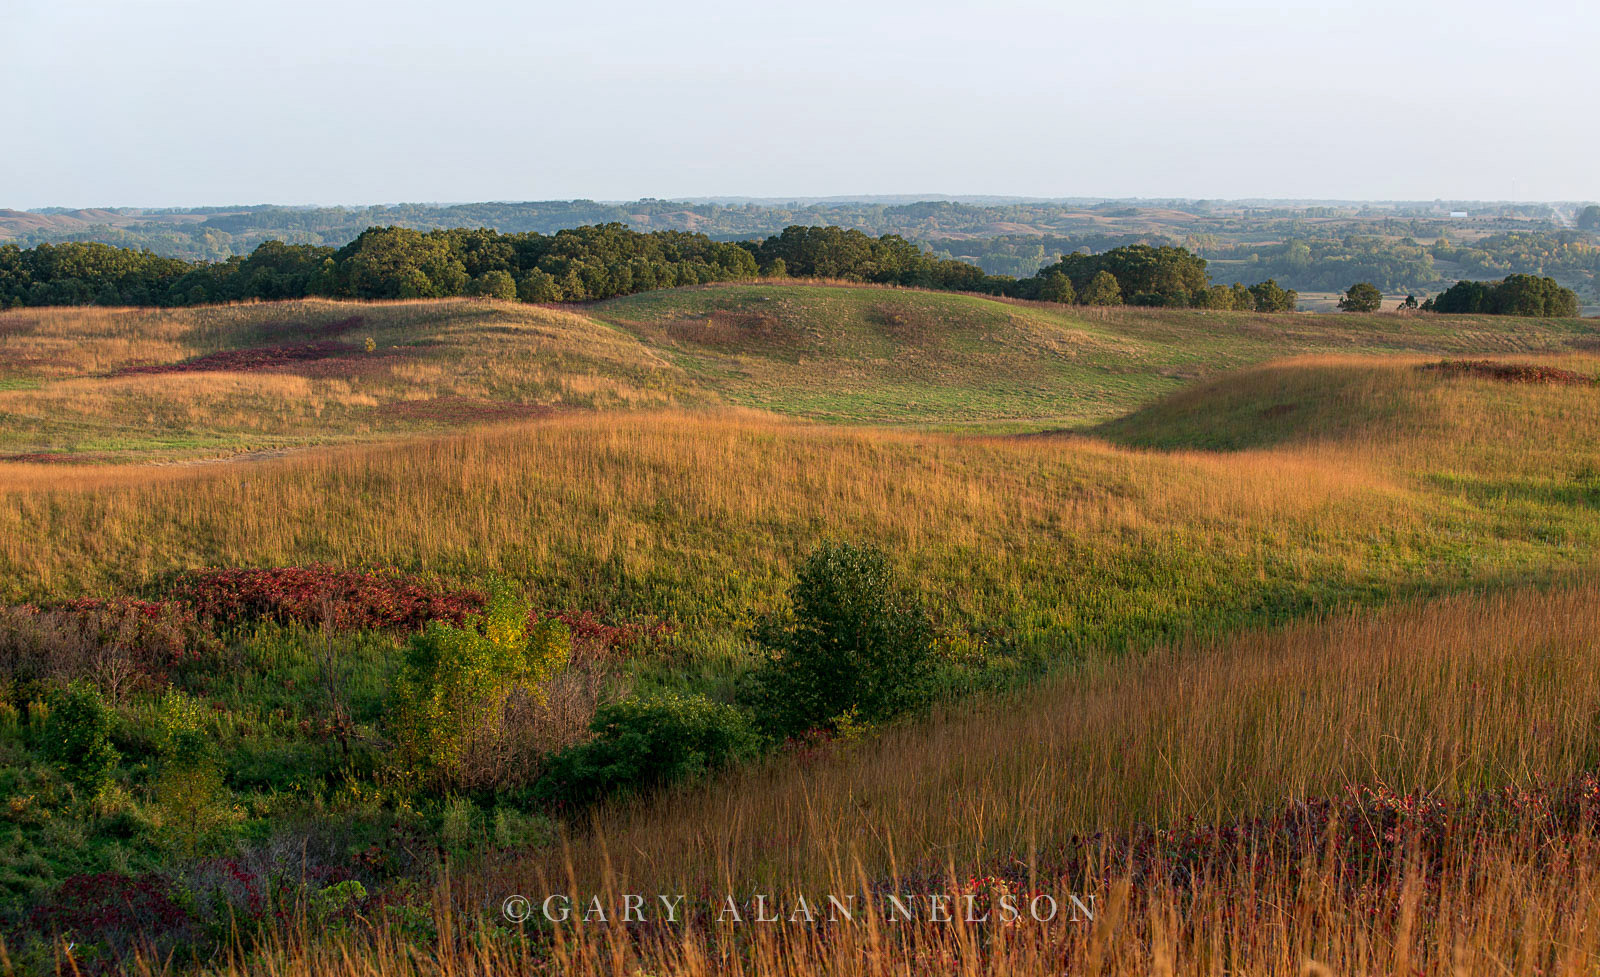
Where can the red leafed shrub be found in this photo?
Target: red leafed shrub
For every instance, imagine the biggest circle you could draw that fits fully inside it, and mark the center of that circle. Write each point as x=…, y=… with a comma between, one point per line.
x=1510, y=372
x=321, y=595
x=122, y=913
x=120, y=644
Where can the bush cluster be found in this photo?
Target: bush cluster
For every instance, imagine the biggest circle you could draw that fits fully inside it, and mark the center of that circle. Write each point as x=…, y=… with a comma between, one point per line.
x=321, y=595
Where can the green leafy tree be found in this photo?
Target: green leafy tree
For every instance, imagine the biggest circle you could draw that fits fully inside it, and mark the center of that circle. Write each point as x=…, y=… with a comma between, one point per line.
x=1362, y=297
x=855, y=645
x=538, y=286
x=1271, y=297
x=1102, y=290
x=1057, y=287
x=495, y=284
x=1524, y=295
x=194, y=803
x=1589, y=218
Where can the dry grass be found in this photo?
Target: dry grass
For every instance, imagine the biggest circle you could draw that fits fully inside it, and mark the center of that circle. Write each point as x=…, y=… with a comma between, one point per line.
x=691, y=502
x=1449, y=697
x=1503, y=915
x=839, y=353
x=61, y=397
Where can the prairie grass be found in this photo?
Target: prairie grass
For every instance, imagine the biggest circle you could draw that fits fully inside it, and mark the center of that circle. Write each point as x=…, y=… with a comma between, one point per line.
x=1445, y=699
x=1451, y=697
x=1196, y=580
x=1062, y=542
x=827, y=352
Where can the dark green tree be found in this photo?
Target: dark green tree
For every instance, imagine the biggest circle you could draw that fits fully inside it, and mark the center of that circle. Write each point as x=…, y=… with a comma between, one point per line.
x=1102, y=289
x=855, y=644
x=1271, y=297
x=1057, y=287
x=1362, y=297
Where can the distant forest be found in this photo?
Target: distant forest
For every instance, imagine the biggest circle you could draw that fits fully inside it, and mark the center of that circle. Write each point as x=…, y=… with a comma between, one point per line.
x=590, y=263
x=1399, y=248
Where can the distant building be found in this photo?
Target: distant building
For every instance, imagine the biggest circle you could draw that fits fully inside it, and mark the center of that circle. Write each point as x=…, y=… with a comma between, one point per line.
x=1458, y=213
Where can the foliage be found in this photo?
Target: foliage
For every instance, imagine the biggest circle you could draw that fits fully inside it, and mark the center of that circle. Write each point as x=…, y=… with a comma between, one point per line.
x=854, y=643
x=646, y=742
x=1102, y=289
x=454, y=683
x=118, y=912
x=320, y=595
x=1589, y=218
x=1270, y=297
x=120, y=645
x=1361, y=297
x=77, y=736
x=574, y=265
x=1144, y=275
x=1520, y=295
x=1057, y=287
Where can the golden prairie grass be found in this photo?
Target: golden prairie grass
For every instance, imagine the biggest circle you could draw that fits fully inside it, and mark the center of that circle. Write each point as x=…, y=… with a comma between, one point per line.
x=463, y=362
x=715, y=502
x=1475, y=692
x=1465, y=694
x=1502, y=913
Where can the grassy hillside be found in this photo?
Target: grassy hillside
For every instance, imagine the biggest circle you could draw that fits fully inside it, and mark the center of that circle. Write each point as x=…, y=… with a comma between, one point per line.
x=1129, y=565
x=1408, y=792
x=894, y=355
x=121, y=385
x=1501, y=689
x=1464, y=723
x=115, y=385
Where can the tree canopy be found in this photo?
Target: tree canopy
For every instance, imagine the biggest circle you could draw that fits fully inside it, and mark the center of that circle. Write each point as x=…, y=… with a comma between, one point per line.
x=1361, y=297
x=589, y=263
x=1523, y=295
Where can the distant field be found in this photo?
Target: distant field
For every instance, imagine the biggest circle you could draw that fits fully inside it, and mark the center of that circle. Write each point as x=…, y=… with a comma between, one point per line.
x=127, y=385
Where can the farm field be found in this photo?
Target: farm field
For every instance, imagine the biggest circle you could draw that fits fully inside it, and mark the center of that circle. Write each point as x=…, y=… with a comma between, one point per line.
x=1278, y=627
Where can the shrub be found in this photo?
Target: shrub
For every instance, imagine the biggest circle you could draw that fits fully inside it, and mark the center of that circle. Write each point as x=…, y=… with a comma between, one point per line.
x=646, y=742
x=455, y=682
x=194, y=803
x=77, y=736
x=120, y=645
x=319, y=595
x=116, y=914
x=854, y=640
x=195, y=806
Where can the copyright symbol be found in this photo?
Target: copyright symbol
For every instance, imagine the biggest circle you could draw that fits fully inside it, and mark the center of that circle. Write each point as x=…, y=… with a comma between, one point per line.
x=516, y=909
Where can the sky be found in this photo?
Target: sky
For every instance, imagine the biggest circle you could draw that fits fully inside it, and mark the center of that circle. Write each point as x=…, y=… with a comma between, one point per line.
x=185, y=103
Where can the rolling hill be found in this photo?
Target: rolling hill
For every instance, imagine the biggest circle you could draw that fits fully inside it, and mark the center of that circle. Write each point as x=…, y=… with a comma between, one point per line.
x=128, y=385
x=1252, y=625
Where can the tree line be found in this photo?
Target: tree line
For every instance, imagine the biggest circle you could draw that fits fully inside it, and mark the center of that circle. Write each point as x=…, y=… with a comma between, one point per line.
x=591, y=263
x=1523, y=295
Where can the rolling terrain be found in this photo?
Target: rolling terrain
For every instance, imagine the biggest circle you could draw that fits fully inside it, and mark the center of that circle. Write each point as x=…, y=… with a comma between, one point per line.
x=132, y=385
x=1274, y=633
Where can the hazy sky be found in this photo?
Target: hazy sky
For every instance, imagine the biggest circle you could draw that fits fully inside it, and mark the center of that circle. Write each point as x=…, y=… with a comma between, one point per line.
x=181, y=102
